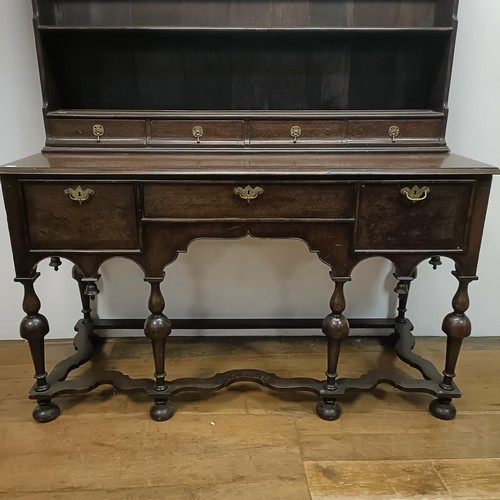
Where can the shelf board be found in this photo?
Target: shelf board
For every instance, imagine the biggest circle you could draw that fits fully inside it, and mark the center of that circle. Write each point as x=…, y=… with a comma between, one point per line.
x=245, y=29
x=274, y=114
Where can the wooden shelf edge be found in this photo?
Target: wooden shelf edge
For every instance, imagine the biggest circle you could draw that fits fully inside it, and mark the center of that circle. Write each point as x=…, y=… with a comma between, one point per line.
x=246, y=29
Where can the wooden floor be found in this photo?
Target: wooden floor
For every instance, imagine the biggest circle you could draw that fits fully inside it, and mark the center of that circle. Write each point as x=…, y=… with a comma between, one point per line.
x=247, y=442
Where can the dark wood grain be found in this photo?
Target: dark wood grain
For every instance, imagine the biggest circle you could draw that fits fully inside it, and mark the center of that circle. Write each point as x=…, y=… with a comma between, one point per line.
x=242, y=13
x=246, y=165
x=272, y=132
x=244, y=73
x=389, y=221
x=381, y=222
x=218, y=200
x=106, y=220
x=77, y=131
x=409, y=130
x=246, y=57
x=181, y=132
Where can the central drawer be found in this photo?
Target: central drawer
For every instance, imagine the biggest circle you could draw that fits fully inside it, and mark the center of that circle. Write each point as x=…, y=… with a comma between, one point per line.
x=256, y=200
x=198, y=133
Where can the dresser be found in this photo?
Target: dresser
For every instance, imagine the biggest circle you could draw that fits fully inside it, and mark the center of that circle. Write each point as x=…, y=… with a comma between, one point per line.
x=171, y=121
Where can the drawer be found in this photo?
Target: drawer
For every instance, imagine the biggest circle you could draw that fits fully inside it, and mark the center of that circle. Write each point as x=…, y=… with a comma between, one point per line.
x=105, y=220
x=96, y=132
x=394, y=131
x=198, y=132
x=388, y=220
x=305, y=132
x=272, y=200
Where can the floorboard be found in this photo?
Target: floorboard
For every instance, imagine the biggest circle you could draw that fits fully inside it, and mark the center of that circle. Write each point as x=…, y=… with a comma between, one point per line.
x=247, y=442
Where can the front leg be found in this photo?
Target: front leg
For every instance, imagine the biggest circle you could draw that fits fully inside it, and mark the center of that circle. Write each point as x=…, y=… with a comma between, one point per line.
x=457, y=326
x=336, y=329
x=157, y=328
x=34, y=327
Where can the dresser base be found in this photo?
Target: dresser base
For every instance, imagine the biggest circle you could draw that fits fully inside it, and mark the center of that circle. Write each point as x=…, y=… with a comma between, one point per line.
x=88, y=209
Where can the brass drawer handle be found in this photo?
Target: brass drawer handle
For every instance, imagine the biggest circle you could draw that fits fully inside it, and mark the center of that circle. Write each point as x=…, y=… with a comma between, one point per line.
x=98, y=131
x=248, y=192
x=79, y=194
x=394, y=132
x=416, y=193
x=198, y=133
x=295, y=132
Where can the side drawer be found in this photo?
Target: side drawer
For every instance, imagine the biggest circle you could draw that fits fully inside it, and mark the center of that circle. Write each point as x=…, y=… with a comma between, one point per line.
x=394, y=132
x=388, y=220
x=106, y=219
x=295, y=133
x=96, y=132
x=272, y=200
x=198, y=132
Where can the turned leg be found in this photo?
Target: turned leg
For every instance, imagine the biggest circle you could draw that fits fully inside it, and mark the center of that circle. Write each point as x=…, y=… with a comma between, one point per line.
x=157, y=328
x=336, y=328
x=403, y=290
x=77, y=275
x=457, y=326
x=34, y=327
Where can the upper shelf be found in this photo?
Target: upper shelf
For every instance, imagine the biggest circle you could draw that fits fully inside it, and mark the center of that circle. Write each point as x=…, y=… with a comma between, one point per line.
x=322, y=29
x=251, y=14
x=248, y=114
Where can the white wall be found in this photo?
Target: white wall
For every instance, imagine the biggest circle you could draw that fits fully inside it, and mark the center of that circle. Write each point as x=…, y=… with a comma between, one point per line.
x=257, y=278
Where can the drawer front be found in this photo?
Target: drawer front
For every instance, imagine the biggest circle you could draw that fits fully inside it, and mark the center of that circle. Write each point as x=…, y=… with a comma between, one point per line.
x=106, y=219
x=272, y=200
x=198, y=132
x=295, y=133
x=438, y=219
x=394, y=131
x=97, y=132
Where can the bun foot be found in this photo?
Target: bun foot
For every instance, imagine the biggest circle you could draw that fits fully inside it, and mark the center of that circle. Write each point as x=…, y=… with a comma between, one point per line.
x=328, y=410
x=443, y=409
x=46, y=411
x=161, y=410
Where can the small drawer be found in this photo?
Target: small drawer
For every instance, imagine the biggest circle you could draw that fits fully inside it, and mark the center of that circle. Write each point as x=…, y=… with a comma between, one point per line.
x=254, y=201
x=80, y=216
x=394, y=131
x=96, y=132
x=295, y=133
x=198, y=132
x=413, y=215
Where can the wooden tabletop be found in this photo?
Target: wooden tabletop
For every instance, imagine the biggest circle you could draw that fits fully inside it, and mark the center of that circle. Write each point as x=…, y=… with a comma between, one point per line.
x=246, y=164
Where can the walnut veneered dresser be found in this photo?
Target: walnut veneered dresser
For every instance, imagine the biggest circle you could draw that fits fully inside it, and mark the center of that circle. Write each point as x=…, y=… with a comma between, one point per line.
x=173, y=120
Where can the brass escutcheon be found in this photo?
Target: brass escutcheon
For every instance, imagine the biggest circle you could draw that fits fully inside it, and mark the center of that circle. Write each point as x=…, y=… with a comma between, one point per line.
x=198, y=133
x=98, y=131
x=248, y=192
x=416, y=193
x=295, y=132
x=394, y=132
x=79, y=194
